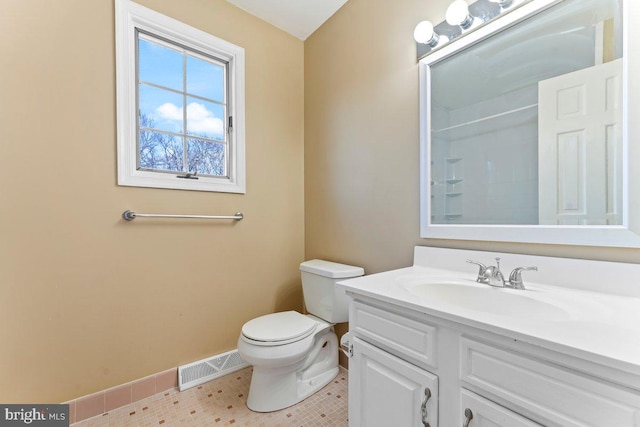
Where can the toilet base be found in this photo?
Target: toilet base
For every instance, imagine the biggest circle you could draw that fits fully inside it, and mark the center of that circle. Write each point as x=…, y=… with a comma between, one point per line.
x=274, y=389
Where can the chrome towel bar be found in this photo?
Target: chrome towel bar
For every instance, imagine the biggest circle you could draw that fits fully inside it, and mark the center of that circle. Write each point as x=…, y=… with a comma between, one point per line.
x=130, y=216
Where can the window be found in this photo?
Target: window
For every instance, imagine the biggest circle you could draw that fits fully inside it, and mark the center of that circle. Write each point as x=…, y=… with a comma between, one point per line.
x=180, y=104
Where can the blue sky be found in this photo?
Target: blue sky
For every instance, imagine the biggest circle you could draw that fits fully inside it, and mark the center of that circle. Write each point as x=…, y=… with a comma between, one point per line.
x=164, y=67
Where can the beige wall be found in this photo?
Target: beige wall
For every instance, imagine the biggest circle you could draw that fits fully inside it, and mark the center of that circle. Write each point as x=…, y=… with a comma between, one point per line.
x=362, y=141
x=87, y=300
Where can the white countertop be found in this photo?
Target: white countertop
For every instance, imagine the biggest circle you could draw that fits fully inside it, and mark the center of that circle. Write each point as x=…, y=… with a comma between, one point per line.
x=596, y=326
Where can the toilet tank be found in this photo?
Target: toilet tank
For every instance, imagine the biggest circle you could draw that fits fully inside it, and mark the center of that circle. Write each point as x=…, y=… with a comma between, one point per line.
x=321, y=295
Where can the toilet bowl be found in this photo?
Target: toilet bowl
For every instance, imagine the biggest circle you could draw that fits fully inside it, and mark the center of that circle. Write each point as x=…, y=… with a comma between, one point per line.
x=294, y=355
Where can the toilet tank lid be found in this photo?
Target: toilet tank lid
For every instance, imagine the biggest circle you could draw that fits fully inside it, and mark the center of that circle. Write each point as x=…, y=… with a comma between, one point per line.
x=330, y=269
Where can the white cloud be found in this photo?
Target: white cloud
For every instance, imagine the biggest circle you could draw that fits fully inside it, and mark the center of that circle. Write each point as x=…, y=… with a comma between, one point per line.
x=199, y=119
x=197, y=111
x=169, y=111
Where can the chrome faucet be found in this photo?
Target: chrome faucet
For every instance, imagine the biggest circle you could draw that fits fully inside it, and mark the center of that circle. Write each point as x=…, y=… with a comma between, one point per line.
x=482, y=269
x=515, y=278
x=493, y=276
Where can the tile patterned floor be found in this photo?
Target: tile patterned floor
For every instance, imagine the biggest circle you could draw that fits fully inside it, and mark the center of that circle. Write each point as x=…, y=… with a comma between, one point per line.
x=222, y=402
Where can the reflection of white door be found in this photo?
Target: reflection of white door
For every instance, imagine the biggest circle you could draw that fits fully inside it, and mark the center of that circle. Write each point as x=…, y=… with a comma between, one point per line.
x=580, y=147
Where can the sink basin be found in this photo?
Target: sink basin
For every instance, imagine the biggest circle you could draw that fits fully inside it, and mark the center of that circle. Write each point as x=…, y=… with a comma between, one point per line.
x=470, y=295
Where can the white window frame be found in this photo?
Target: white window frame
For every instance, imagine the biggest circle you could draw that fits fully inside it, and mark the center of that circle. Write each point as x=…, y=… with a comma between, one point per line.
x=131, y=18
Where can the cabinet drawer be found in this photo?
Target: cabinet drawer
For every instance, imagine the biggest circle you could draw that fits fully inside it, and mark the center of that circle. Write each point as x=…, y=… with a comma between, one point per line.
x=484, y=413
x=400, y=335
x=550, y=393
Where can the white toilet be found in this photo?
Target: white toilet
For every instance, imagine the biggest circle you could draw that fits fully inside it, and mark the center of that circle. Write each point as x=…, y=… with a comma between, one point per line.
x=294, y=355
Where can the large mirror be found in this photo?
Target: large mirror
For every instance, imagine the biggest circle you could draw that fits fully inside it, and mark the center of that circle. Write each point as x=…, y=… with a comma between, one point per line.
x=523, y=132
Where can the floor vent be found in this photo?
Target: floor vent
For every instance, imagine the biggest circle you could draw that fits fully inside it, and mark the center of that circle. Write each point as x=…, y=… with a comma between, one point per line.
x=205, y=370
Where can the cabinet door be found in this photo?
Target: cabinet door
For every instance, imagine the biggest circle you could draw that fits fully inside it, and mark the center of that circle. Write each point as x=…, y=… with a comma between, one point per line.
x=476, y=411
x=387, y=391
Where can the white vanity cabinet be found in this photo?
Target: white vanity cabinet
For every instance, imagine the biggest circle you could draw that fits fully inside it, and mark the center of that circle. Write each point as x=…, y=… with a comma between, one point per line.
x=472, y=377
x=563, y=352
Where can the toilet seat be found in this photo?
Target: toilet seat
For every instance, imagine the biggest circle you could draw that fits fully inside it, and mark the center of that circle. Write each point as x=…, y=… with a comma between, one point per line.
x=278, y=328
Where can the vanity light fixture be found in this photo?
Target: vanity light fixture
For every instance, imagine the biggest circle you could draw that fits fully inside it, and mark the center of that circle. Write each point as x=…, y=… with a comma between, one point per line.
x=458, y=14
x=460, y=18
x=424, y=33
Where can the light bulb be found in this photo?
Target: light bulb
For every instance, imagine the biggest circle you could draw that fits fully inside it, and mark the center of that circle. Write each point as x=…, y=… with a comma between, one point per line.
x=424, y=33
x=458, y=14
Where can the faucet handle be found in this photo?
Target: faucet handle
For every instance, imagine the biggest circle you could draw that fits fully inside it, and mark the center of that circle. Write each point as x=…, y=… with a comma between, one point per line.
x=481, y=270
x=515, y=278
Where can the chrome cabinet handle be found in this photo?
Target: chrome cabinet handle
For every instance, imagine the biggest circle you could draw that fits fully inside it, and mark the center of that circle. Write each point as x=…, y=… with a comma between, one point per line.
x=423, y=408
x=468, y=416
